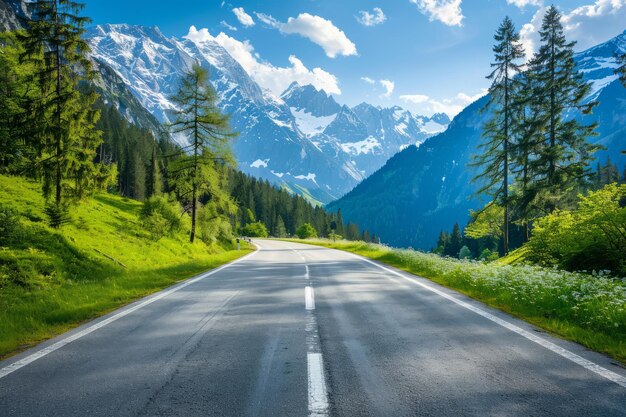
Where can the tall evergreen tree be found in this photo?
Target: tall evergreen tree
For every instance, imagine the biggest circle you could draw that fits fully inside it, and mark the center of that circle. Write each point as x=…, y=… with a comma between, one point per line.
x=564, y=155
x=69, y=138
x=207, y=129
x=495, y=157
x=154, y=182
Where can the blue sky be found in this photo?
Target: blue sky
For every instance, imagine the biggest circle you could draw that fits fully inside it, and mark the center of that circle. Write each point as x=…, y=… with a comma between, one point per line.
x=425, y=55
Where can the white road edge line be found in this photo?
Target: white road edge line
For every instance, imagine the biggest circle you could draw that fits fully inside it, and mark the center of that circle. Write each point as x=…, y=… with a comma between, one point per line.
x=579, y=360
x=58, y=345
x=318, y=398
x=309, y=298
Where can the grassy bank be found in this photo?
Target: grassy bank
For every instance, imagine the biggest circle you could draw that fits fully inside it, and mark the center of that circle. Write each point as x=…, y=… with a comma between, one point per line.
x=587, y=309
x=52, y=280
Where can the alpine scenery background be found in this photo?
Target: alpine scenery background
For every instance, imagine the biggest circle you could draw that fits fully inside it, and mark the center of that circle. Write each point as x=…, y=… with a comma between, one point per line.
x=182, y=169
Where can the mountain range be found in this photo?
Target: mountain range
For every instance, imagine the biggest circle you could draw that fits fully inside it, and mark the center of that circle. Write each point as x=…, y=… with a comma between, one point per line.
x=421, y=191
x=303, y=140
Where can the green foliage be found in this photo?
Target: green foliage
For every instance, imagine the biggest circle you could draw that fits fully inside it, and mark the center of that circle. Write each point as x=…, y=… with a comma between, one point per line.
x=52, y=280
x=465, y=253
x=306, y=231
x=207, y=128
x=58, y=215
x=257, y=229
x=487, y=255
x=9, y=224
x=495, y=155
x=161, y=217
x=335, y=237
x=591, y=237
x=63, y=117
x=486, y=222
x=281, y=211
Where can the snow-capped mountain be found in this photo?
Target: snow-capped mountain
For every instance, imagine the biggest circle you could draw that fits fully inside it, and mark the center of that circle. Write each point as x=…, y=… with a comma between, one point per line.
x=367, y=135
x=421, y=191
x=303, y=140
x=269, y=144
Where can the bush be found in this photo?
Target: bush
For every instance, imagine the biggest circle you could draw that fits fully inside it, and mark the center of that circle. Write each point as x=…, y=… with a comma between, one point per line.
x=161, y=217
x=592, y=237
x=488, y=255
x=257, y=229
x=9, y=224
x=306, y=231
x=212, y=226
x=465, y=253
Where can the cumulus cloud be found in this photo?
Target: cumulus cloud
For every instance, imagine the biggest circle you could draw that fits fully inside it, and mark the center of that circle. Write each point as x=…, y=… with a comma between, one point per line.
x=274, y=78
x=589, y=24
x=317, y=29
x=368, y=80
x=447, y=12
x=371, y=19
x=428, y=106
x=524, y=3
x=389, y=86
x=243, y=17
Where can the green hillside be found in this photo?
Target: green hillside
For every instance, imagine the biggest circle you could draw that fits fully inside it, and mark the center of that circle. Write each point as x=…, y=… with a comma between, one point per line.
x=52, y=280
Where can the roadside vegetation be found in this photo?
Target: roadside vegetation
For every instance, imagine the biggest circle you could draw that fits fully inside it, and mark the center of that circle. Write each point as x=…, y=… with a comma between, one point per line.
x=548, y=205
x=53, y=279
x=586, y=308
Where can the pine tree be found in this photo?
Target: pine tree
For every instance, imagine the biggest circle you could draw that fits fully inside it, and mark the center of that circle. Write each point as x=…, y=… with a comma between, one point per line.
x=154, y=183
x=207, y=128
x=496, y=150
x=456, y=242
x=529, y=135
x=68, y=135
x=564, y=155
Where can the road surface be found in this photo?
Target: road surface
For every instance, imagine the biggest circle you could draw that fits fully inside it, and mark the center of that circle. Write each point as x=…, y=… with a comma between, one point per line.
x=297, y=330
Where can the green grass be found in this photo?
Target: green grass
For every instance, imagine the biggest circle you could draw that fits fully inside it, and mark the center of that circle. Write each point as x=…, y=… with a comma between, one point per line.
x=587, y=309
x=53, y=280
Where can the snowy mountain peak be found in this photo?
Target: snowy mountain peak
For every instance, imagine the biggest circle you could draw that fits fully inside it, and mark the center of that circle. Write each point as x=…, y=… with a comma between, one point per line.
x=309, y=99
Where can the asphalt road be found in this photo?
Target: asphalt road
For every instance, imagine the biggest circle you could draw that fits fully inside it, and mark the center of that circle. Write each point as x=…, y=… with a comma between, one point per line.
x=296, y=330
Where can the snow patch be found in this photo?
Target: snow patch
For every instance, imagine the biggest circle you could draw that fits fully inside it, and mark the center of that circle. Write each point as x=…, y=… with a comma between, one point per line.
x=362, y=147
x=311, y=125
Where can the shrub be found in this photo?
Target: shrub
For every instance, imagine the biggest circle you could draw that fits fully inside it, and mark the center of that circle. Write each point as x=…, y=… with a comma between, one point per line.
x=257, y=229
x=161, y=217
x=592, y=237
x=9, y=224
x=212, y=226
x=306, y=231
x=488, y=255
x=465, y=253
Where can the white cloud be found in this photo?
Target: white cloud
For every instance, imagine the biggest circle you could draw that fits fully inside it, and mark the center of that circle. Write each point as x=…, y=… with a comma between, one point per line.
x=447, y=12
x=415, y=98
x=276, y=79
x=228, y=26
x=368, y=80
x=371, y=19
x=524, y=3
x=589, y=25
x=243, y=17
x=428, y=106
x=318, y=30
x=389, y=86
